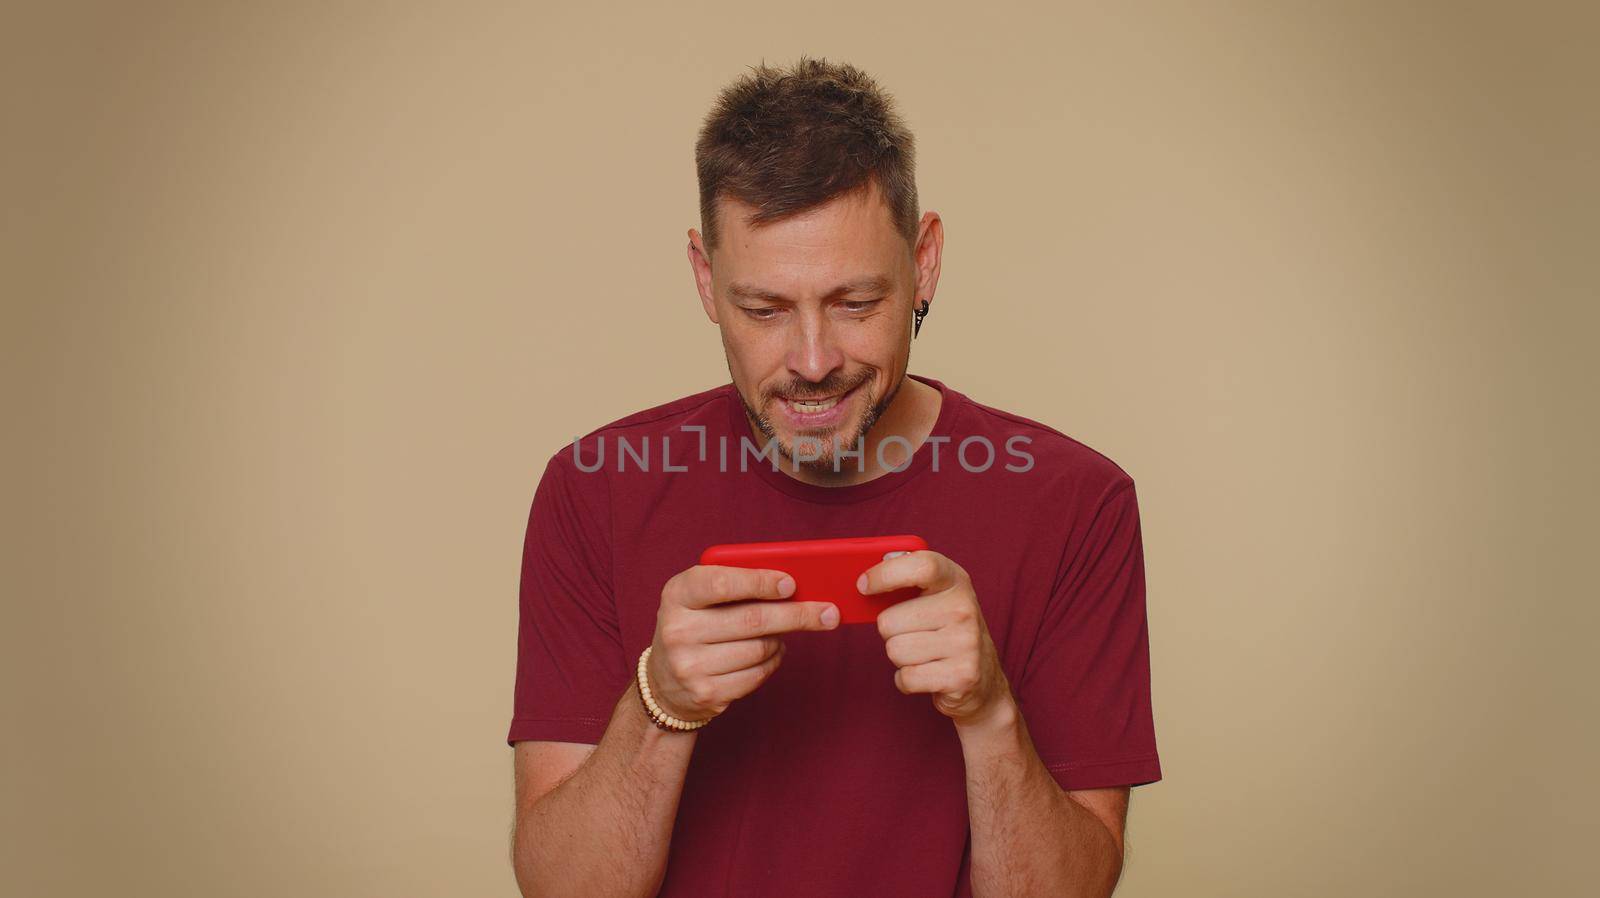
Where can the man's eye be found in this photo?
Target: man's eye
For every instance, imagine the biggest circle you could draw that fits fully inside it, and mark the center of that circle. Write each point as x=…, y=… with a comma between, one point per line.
x=765, y=313
x=860, y=305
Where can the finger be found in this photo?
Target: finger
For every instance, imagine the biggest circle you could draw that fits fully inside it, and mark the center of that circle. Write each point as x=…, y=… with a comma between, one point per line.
x=749, y=620
x=918, y=647
x=932, y=677
x=925, y=612
x=924, y=567
x=913, y=679
x=727, y=657
x=705, y=585
x=743, y=682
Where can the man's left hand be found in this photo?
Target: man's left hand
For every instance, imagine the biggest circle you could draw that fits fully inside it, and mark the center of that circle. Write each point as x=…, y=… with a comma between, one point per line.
x=939, y=640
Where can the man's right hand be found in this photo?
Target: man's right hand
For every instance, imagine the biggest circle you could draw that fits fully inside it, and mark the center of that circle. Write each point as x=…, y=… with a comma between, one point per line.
x=708, y=653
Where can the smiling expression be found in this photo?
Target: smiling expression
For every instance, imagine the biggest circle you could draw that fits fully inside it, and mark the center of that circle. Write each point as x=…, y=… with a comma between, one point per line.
x=815, y=316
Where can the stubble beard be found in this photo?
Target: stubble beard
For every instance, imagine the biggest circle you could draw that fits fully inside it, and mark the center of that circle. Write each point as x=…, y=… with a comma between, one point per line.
x=825, y=464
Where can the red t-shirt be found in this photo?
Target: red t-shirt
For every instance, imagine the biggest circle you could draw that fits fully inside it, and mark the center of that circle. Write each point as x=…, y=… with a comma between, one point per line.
x=827, y=780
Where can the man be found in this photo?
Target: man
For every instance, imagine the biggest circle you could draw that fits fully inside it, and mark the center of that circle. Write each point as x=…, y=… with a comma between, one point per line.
x=981, y=739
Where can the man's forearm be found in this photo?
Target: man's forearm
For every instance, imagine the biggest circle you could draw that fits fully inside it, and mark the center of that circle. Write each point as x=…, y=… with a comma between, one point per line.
x=605, y=830
x=1028, y=837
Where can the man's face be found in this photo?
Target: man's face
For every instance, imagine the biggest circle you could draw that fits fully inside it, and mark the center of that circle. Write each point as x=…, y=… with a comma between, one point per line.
x=815, y=315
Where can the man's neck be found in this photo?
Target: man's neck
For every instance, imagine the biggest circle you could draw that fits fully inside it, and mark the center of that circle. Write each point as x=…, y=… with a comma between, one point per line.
x=910, y=416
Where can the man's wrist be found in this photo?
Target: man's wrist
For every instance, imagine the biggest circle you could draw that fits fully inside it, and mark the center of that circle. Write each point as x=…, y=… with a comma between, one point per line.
x=654, y=731
x=660, y=716
x=1001, y=716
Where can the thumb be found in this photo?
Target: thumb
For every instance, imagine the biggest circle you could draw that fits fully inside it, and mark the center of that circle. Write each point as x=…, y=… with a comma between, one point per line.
x=822, y=616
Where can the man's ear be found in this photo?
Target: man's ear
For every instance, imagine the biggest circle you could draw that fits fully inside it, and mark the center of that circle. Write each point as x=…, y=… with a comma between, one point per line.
x=700, y=264
x=930, y=249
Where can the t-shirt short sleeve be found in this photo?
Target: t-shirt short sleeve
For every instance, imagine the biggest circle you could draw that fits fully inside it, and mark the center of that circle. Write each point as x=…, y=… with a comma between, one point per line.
x=570, y=664
x=1085, y=693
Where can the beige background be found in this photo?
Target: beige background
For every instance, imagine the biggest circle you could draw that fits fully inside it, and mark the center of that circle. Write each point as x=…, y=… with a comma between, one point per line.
x=298, y=301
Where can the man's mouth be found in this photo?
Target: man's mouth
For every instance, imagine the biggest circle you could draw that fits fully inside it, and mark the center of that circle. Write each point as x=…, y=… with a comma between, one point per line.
x=815, y=410
x=811, y=406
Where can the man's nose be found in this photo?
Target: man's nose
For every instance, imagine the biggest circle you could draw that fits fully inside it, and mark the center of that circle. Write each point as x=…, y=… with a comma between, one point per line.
x=813, y=353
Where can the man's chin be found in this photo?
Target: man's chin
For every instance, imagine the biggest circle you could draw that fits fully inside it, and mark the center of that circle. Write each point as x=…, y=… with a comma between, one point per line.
x=816, y=451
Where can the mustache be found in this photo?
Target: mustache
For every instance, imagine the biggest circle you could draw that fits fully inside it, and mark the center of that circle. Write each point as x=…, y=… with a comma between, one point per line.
x=833, y=386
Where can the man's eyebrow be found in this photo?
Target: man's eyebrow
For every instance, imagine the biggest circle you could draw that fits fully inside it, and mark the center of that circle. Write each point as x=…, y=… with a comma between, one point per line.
x=871, y=284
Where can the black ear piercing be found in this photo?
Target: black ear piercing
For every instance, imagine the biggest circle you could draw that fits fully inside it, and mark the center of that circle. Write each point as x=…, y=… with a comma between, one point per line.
x=920, y=312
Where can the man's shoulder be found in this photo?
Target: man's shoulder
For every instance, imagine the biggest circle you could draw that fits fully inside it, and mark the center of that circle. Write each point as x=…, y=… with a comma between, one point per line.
x=707, y=408
x=1053, y=452
x=689, y=410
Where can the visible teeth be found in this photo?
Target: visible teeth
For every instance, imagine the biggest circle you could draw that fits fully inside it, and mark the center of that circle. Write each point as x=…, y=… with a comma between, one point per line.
x=801, y=405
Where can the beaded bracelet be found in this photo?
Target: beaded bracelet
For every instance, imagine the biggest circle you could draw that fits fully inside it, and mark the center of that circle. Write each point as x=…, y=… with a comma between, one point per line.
x=657, y=716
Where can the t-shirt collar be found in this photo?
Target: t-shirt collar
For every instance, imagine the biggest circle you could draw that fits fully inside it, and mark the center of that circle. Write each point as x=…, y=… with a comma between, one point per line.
x=921, y=460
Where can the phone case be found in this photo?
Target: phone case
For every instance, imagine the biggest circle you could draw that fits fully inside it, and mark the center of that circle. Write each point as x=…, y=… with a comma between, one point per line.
x=825, y=570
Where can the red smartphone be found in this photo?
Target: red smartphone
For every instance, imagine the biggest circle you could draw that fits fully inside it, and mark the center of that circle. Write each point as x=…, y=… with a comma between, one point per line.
x=825, y=570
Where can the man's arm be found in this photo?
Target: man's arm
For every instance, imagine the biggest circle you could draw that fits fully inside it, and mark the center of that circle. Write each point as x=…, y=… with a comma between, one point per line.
x=605, y=829
x=1029, y=837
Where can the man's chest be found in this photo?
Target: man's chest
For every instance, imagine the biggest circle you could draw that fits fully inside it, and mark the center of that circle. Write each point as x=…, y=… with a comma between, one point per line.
x=1011, y=562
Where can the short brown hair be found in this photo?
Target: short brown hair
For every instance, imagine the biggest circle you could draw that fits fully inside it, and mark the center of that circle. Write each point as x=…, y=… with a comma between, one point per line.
x=787, y=141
